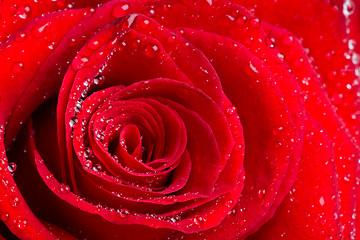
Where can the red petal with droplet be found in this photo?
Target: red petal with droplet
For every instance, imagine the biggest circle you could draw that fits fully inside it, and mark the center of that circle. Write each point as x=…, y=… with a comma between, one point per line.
x=312, y=209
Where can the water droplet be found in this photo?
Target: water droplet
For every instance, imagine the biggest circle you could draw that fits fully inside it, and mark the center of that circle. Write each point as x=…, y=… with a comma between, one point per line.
x=12, y=167
x=151, y=50
x=251, y=69
x=100, y=54
x=72, y=42
x=351, y=44
x=116, y=158
x=23, y=12
x=38, y=31
x=97, y=168
x=73, y=122
x=237, y=147
x=322, y=201
x=279, y=58
x=152, y=12
x=242, y=222
x=4, y=183
x=93, y=44
x=4, y=217
x=20, y=37
x=64, y=189
x=254, y=22
x=144, y=24
x=171, y=39
x=276, y=131
x=119, y=10
x=269, y=42
x=347, y=177
x=233, y=45
x=88, y=11
x=21, y=224
x=99, y=79
x=287, y=40
x=198, y=220
x=51, y=45
x=261, y=193
x=355, y=58
x=87, y=152
x=79, y=62
x=348, y=8
x=78, y=106
x=241, y=20
x=352, y=235
x=88, y=164
x=14, y=201
x=17, y=67
x=231, y=110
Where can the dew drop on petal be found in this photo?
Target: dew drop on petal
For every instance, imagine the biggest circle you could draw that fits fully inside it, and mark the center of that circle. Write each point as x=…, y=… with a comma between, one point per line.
x=322, y=201
x=38, y=31
x=5, y=183
x=261, y=193
x=87, y=152
x=97, y=168
x=287, y=40
x=20, y=37
x=198, y=220
x=152, y=12
x=88, y=164
x=279, y=58
x=171, y=39
x=23, y=12
x=64, y=189
x=73, y=122
x=14, y=201
x=269, y=42
x=21, y=224
x=72, y=42
x=351, y=44
x=348, y=7
x=119, y=10
x=231, y=110
x=17, y=67
x=254, y=22
x=93, y=44
x=243, y=222
x=99, y=79
x=251, y=69
x=151, y=50
x=4, y=217
x=12, y=167
x=79, y=62
x=100, y=54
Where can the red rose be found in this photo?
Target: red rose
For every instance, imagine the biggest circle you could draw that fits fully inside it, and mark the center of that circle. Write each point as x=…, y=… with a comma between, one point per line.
x=171, y=119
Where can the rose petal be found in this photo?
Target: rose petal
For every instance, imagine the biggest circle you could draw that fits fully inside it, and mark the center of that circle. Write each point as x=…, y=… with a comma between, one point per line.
x=311, y=209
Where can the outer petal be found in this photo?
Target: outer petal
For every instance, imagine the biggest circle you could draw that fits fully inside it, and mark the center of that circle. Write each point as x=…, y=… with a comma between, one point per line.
x=321, y=110
x=328, y=46
x=311, y=209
